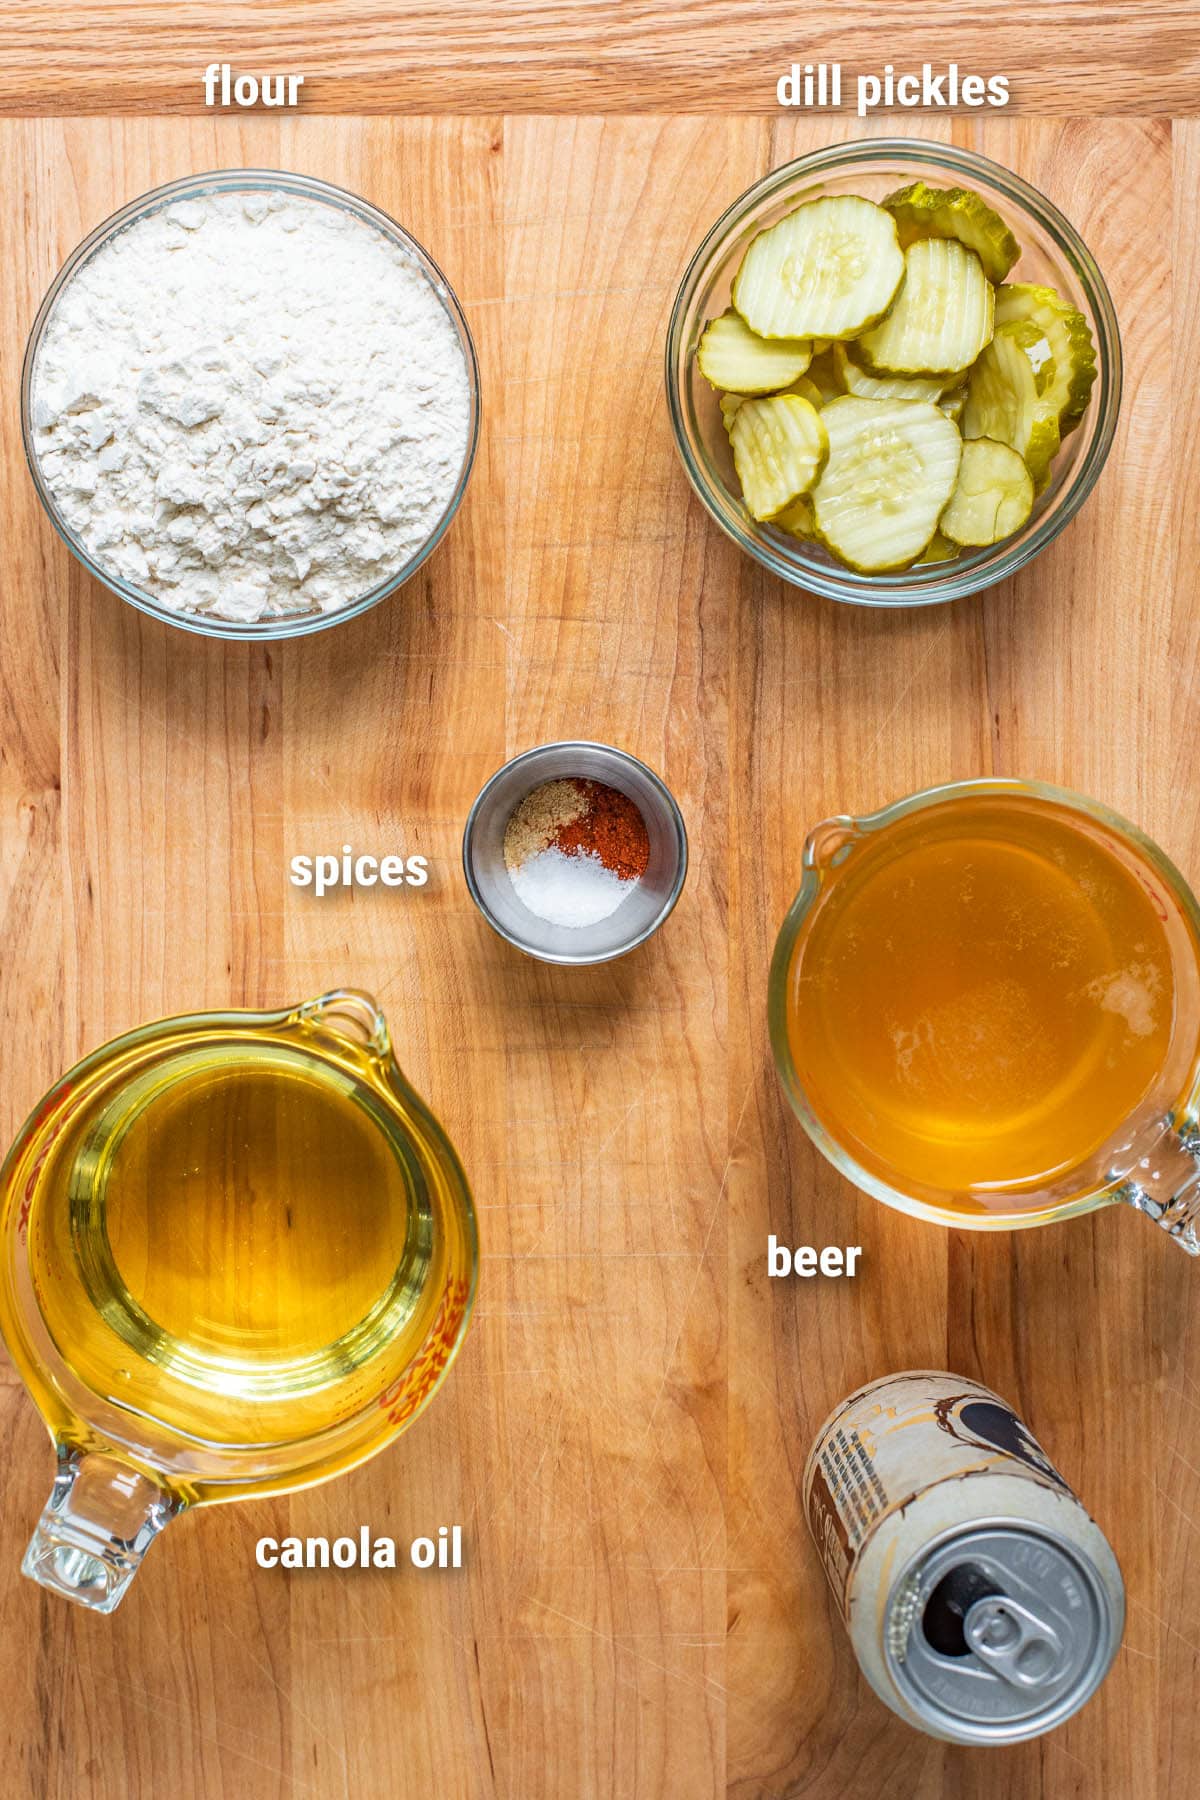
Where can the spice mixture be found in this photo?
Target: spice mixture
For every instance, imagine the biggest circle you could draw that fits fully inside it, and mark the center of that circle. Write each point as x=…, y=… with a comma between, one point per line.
x=575, y=849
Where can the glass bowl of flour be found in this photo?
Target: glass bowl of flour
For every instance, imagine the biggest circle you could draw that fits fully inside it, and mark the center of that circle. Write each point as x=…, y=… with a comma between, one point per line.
x=250, y=404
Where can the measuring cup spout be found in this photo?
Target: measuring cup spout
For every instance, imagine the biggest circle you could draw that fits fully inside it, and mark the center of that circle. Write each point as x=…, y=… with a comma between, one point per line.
x=101, y=1518
x=349, y=1014
x=829, y=841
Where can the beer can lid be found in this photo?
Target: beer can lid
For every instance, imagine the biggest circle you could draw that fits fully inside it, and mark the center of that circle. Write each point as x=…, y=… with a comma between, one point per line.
x=996, y=1633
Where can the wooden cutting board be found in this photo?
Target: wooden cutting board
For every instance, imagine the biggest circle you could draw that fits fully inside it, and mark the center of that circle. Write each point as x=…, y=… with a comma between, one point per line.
x=641, y=1615
x=361, y=56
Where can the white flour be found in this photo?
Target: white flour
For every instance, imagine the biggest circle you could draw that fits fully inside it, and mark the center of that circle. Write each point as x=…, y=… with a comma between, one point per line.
x=250, y=405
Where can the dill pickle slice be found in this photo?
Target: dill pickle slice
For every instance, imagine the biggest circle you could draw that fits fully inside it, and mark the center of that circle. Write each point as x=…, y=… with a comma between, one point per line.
x=892, y=467
x=857, y=380
x=921, y=212
x=779, y=448
x=992, y=498
x=1070, y=339
x=806, y=389
x=942, y=317
x=1006, y=397
x=823, y=375
x=827, y=270
x=939, y=548
x=953, y=401
x=798, y=518
x=734, y=358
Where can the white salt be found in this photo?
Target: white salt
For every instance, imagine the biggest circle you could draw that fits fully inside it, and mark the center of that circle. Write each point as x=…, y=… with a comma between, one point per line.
x=572, y=890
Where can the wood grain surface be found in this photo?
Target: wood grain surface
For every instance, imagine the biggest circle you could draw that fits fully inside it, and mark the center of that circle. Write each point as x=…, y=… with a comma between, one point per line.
x=361, y=56
x=642, y=1616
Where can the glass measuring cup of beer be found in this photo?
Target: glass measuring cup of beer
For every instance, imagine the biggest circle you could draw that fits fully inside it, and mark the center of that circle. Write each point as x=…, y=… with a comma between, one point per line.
x=985, y=1009
x=239, y=1256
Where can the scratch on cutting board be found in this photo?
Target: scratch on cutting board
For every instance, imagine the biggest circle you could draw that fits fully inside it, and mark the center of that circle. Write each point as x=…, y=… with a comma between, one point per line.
x=265, y=1669
x=1180, y=1457
x=157, y=1704
x=595, y=1161
x=1174, y=1504
x=735, y=1136
x=1166, y=1625
x=706, y=1682
x=599, y=290
x=718, y=1540
x=907, y=689
x=1071, y=1757
x=322, y=780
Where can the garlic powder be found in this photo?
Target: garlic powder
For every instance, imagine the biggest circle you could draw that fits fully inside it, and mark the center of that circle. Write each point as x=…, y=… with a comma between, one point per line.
x=252, y=405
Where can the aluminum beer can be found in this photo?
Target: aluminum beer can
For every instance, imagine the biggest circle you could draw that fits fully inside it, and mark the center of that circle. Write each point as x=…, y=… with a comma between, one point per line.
x=984, y=1605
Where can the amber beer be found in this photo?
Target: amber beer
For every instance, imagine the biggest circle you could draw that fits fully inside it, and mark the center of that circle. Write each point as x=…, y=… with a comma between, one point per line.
x=983, y=1604
x=985, y=993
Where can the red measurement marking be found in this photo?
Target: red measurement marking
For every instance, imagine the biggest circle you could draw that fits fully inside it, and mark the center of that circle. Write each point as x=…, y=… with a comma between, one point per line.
x=52, y=1102
x=1160, y=906
x=408, y=1393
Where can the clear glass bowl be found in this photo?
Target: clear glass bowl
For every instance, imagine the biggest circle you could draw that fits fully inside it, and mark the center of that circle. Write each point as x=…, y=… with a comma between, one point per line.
x=241, y=181
x=1052, y=253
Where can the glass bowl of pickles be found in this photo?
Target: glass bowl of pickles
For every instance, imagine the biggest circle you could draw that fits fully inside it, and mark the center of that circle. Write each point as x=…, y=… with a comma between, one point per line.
x=893, y=371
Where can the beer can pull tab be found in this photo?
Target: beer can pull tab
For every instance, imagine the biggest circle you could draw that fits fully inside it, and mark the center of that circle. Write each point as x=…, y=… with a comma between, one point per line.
x=1012, y=1641
x=1011, y=1629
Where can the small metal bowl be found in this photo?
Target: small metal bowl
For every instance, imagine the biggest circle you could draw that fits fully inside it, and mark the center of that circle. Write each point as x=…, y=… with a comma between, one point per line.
x=639, y=915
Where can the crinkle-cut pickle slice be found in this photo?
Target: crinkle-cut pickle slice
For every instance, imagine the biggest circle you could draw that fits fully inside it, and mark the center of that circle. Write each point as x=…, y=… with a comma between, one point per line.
x=939, y=548
x=857, y=380
x=779, y=448
x=806, y=389
x=953, y=401
x=798, y=518
x=892, y=467
x=921, y=211
x=737, y=360
x=1070, y=339
x=822, y=373
x=992, y=498
x=942, y=317
x=827, y=270
x=1006, y=397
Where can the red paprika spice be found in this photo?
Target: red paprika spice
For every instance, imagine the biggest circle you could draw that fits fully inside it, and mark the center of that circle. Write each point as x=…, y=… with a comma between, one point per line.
x=611, y=827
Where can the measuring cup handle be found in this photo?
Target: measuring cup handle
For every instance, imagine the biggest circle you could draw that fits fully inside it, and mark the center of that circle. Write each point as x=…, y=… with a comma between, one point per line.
x=101, y=1518
x=1166, y=1187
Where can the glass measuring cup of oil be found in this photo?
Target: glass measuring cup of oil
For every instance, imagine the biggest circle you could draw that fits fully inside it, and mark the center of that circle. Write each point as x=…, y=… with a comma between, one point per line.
x=985, y=1009
x=239, y=1255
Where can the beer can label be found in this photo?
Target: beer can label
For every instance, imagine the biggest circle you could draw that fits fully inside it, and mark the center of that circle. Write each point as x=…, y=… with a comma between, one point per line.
x=894, y=1439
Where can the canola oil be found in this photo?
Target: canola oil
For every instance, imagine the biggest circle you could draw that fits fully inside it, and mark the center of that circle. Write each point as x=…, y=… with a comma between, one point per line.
x=982, y=996
x=237, y=1243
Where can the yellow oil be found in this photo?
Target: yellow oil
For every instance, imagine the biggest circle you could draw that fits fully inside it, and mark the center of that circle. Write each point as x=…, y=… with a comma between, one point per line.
x=983, y=995
x=242, y=1244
